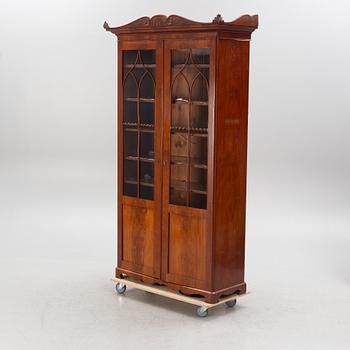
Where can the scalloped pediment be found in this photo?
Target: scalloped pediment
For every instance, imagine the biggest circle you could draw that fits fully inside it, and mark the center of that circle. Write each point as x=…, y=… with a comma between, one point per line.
x=157, y=23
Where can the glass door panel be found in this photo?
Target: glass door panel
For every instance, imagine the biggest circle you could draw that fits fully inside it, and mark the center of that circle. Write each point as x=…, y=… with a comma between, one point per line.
x=139, y=74
x=189, y=127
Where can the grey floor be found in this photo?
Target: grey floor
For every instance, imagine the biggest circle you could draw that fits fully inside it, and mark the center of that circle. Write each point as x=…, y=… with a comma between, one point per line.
x=57, y=256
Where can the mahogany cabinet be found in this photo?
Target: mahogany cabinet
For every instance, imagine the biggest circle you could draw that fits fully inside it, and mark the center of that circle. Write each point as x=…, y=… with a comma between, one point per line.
x=182, y=152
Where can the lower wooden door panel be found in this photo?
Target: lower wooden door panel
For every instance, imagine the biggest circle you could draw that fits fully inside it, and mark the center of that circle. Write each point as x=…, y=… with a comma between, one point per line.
x=185, y=247
x=139, y=249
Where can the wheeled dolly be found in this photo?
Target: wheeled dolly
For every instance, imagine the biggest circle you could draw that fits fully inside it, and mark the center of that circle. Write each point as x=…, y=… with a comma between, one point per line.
x=203, y=307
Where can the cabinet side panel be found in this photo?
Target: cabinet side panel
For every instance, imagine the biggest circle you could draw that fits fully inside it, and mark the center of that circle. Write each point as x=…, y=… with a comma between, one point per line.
x=230, y=163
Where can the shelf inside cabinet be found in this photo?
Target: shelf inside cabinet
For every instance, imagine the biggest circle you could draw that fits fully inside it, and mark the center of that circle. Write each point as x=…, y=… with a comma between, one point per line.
x=141, y=124
x=203, y=132
x=142, y=183
x=139, y=65
x=192, y=65
x=195, y=162
x=130, y=182
x=148, y=184
x=195, y=187
x=182, y=100
x=133, y=127
x=135, y=99
x=142, y=159
x=142, y=130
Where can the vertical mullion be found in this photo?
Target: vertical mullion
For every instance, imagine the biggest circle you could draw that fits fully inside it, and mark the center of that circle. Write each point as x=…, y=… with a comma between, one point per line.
x=138, y=133
x=189, y=140
x=206, y=87
x=189, y=155
x=122, y=126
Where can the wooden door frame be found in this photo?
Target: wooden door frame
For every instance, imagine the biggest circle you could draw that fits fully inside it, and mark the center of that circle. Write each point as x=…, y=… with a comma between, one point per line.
x=182, y=43
x=158, y=131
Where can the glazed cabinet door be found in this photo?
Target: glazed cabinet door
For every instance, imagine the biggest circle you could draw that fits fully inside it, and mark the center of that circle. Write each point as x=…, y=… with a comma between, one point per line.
x=189, y=68
x=139, y=156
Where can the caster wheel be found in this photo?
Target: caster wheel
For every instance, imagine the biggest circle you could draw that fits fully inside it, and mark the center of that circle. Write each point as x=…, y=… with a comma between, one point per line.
x=202, y=311
x=231, y=303
x=120, y=288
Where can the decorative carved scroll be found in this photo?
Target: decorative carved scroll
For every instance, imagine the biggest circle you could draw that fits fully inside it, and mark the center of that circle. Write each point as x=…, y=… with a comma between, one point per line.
x=160, y=21
x=172, y=22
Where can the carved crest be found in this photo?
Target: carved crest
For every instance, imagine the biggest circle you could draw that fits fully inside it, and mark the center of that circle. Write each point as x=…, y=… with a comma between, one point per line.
x=160, y=21
x=173, y=22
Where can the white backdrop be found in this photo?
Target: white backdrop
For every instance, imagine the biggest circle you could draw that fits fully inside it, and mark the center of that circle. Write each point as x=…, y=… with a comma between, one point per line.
x=57, y=181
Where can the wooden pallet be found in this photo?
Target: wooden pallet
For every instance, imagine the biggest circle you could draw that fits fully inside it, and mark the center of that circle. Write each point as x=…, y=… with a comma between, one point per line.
x=203, y=306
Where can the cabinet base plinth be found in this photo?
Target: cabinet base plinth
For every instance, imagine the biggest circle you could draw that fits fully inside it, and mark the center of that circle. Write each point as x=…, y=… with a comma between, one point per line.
x=207, y=297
